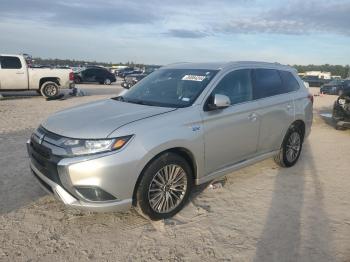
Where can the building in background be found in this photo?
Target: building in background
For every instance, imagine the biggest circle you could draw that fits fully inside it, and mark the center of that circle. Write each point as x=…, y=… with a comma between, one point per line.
x=319, y=74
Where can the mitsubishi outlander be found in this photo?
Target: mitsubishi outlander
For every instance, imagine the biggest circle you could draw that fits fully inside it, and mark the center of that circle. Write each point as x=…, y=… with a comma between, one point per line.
x=183, y=125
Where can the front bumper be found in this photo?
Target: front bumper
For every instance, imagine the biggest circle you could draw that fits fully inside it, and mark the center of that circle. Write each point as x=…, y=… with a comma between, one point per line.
x=54, y=178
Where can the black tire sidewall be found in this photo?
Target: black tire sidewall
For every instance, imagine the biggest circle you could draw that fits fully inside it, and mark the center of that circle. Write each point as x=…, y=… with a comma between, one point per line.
x=147, y=176
x=285, y=142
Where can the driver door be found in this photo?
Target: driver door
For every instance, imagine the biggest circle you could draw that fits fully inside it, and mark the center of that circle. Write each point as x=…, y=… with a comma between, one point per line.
x=231, y=134
x=13, y=75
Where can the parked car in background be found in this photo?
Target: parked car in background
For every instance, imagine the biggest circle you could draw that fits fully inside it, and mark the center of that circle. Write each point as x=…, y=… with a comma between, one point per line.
x=131, y=80
x=315, y=81
x=126, y=70
x=134, y=78
x=341, y=110
x=336, y=87
x=126, y=73
x=16, y=75
x=94, y=74
x=183, y=125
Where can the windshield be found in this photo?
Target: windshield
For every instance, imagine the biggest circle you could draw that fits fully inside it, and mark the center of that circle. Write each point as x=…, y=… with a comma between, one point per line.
x=169, y=87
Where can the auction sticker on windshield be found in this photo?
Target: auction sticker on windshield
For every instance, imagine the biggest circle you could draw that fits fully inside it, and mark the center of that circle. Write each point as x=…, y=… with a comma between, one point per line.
x=193, y=78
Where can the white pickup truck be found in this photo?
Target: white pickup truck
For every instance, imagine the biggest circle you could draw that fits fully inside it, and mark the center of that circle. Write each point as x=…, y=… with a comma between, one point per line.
x=16, y=75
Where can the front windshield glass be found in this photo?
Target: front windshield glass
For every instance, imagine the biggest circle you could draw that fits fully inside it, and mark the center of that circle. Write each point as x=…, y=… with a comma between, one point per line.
x=169, y=87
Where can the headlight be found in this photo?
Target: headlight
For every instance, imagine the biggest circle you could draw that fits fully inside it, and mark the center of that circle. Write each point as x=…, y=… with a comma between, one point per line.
x=77, y=147
x=341, y=101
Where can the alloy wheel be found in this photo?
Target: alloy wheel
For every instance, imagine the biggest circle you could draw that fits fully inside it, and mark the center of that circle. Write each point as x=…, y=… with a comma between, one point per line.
x=293, y=146
x=50, y=90
x=167, y=188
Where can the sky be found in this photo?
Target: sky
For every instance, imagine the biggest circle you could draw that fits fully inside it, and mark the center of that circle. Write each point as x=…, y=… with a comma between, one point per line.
x=168, y=31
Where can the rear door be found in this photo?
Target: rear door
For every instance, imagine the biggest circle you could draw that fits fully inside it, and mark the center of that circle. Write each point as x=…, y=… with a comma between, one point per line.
x=231, y=134
x=276, y=107
x=101, y=75
x=13, y=74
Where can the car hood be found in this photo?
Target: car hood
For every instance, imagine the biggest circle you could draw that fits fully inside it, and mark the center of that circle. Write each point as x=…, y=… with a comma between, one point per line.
x=98, y=119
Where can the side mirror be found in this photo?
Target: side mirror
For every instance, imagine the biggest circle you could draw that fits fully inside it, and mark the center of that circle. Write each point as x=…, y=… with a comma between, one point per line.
x=219, y=102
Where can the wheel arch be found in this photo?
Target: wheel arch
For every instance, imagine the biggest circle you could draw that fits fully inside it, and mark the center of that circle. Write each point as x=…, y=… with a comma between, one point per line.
x=181, y=151
x=299, y=123
x=49, y=79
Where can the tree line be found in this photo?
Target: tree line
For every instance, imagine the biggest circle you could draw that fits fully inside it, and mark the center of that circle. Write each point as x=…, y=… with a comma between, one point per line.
x=77, y=63
x=338, y=70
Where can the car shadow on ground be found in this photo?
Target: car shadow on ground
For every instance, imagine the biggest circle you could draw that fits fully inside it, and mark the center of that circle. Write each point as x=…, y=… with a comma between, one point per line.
x=290, y=225
x=19, y=95
x=17, y=186
x=325, y=113
x=29, y=94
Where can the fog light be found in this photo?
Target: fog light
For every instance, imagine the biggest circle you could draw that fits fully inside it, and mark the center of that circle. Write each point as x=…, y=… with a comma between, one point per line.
x=94, y=193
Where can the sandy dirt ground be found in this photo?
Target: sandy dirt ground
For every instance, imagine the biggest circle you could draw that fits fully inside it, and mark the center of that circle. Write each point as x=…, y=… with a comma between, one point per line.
x=262, y=212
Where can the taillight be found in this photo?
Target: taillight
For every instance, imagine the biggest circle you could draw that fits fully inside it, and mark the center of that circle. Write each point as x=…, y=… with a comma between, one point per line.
x=71, y=76
x=311, y=98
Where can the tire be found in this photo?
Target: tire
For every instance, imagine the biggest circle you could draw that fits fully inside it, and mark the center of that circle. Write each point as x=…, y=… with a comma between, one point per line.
x=168, y=198
x=77, y=80
x=285, y=158
x=49, y=90
x=107, y=81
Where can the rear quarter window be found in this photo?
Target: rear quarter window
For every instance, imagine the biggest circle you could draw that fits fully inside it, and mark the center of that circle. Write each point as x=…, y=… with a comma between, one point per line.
x=290, y=84
x=10, y=62
x=267, y=82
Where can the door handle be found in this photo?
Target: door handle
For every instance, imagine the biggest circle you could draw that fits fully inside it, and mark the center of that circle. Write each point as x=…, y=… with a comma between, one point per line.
x=253, y=117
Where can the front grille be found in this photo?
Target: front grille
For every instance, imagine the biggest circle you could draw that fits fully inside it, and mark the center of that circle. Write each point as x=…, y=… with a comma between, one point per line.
x=41, y=150
x=41, y=155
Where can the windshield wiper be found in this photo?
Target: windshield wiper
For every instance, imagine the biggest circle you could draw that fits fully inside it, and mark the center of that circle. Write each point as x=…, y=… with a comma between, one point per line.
x=133, y=101
x=146, y=103
x=119, y=98
x=138, y=101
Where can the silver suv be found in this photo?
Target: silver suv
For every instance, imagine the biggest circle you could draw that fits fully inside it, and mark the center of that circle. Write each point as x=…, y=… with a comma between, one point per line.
x=183, y=125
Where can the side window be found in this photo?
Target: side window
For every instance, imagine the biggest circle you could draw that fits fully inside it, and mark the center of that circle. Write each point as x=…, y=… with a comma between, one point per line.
x=102, y=73
x=88, y=72
x=290, y=84
x=97, y=72
x=237, y=85
x=267, y=82
x=10, y=62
